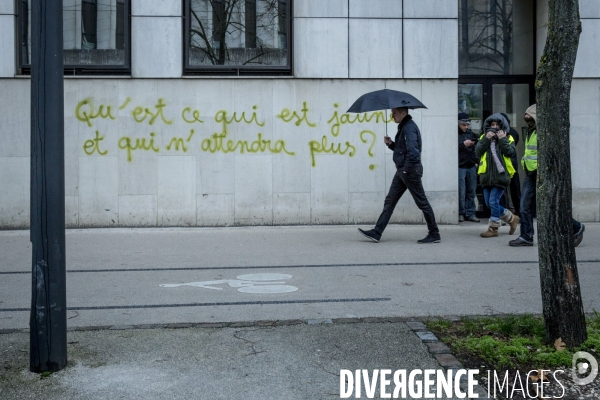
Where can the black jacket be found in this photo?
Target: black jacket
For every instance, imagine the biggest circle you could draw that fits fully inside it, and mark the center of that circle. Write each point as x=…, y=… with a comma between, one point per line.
x=515, y=135
x=407, y=145
x=466, y=155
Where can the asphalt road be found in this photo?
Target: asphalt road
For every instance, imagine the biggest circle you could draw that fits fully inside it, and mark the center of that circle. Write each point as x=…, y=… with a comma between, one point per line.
x=114, y=276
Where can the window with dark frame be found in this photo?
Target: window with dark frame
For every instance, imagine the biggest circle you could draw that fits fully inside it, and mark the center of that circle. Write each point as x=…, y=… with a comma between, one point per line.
x=489, y=42
x=237, y=36
x=250, y=25
x=89, y=24
x=95, y=36
x=283, y=27
x=218, y=20
x=121, y=18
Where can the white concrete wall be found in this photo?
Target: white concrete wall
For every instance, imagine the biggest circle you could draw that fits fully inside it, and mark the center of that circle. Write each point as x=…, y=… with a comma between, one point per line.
x=294, y=180
x=106, y=185
x=588, y=56
x=585, y=148
x=342, y=49
x=156, y=37
x=585, y=116
x=359, y=39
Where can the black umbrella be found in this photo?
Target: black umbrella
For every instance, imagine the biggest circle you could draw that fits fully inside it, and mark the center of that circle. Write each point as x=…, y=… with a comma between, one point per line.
x=384, y=99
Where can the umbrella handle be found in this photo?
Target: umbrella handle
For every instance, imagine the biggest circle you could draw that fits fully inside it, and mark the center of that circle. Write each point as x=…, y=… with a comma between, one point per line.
x=386, y=123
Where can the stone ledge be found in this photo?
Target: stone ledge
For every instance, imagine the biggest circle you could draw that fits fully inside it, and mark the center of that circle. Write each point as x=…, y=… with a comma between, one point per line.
x=448, y=361
x=437, y=348
x=416, y=325
x=426, y=336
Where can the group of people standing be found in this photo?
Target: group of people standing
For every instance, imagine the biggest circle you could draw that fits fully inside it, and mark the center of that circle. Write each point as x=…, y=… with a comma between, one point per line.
x=492, y=157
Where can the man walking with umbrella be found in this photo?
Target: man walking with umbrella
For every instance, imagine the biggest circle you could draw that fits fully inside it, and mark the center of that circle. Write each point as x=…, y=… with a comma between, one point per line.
x=407, y=148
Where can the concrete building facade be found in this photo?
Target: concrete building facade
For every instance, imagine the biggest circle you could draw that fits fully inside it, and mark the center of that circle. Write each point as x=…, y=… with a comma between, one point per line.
x=165, y=142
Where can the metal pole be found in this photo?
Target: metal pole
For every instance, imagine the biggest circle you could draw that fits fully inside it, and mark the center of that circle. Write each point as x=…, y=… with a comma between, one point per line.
x=48, y=319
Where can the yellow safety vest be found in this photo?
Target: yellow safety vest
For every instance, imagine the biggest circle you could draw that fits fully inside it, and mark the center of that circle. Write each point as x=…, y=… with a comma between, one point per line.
x=509, y=165
x=529, y=160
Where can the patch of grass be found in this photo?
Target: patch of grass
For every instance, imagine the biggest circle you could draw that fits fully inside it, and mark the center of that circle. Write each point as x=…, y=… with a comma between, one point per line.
x=440, y=325
x=510, y=342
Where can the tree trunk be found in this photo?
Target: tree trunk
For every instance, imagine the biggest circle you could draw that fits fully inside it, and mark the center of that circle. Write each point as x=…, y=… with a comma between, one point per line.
x=561, y=294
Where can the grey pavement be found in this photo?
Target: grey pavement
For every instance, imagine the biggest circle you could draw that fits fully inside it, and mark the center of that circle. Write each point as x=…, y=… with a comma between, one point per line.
x=289, y=362
x=114, y=274
x=241, y=275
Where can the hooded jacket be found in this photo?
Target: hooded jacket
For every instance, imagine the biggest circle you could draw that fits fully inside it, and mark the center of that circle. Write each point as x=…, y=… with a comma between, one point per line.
x=407, y=145
x=466, y=155
x=532, y=110
x=531, y=143
x=505, y=149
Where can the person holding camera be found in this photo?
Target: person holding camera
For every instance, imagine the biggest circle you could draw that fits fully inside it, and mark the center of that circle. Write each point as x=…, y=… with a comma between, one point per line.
x=494, y=150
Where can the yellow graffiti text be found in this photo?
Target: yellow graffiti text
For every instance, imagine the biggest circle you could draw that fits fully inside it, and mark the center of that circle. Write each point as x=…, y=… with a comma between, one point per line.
x=86, y=112
x=324, y=147
x=178, y=141
x=216, y=143
x=140, y=114
x=93, y=145
x=374, y=137
x=222, y=118
x=346, y=118
x=127, y=100
x=195, y=116
x=125, y=143
x=287, y=116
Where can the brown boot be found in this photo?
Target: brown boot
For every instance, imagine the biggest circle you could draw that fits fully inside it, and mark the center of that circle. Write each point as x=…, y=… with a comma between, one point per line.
x=512, y=220
x=492, y=229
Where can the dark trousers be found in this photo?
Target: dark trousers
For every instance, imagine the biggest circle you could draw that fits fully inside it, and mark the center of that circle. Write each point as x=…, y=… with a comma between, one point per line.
x=527, y=199
x=467, y=185
x=515, y=192
x=412, y=182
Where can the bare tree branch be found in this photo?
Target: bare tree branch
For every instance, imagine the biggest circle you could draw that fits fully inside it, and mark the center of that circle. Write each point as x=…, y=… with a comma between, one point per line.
x=229, y=19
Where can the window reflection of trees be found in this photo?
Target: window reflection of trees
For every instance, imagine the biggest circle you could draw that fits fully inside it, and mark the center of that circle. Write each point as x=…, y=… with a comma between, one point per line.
x=238, y=32
x=94, y=32
x=486, y=35
x=496, y=38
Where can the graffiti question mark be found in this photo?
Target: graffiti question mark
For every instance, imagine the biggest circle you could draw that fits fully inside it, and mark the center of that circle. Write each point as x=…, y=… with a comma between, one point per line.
x=370, y=151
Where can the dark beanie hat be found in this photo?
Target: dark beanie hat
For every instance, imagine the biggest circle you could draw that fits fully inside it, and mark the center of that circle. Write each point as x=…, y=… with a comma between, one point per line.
x=463, y=117
x=505, y=116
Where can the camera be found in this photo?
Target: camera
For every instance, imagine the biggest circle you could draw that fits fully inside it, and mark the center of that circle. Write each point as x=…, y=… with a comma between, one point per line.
x=494, y=131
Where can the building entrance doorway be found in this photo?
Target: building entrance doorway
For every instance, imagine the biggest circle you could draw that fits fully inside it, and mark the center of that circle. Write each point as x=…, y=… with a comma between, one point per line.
x=496, y=61
x=481, y=97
